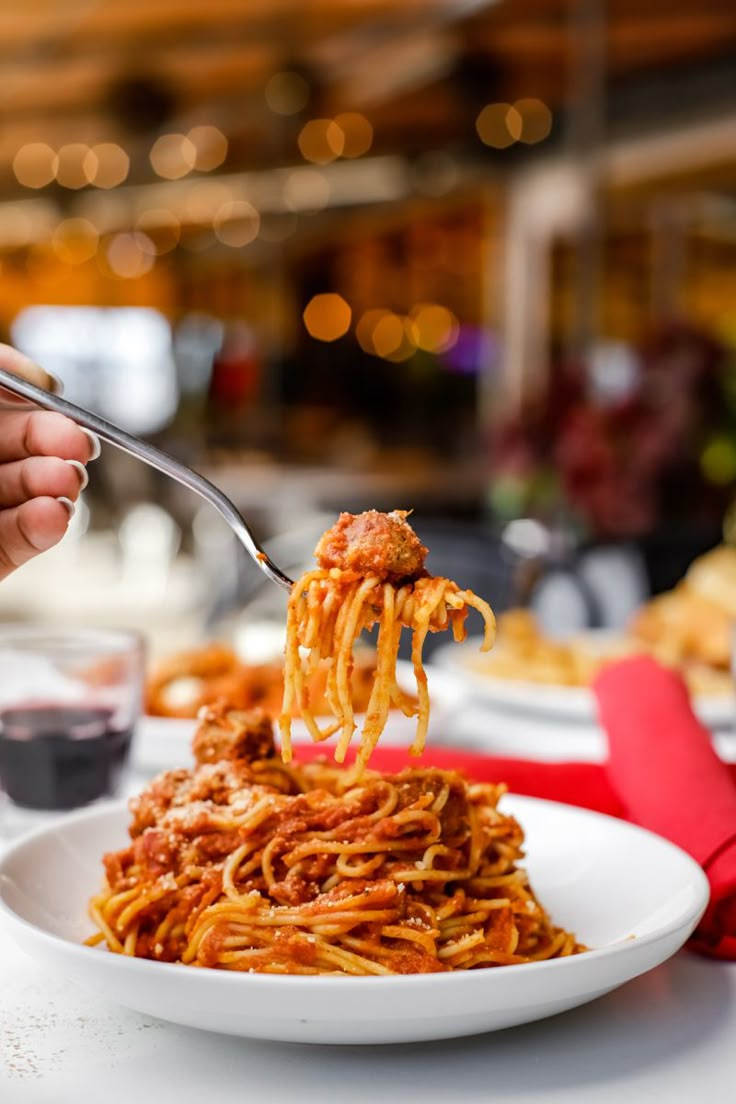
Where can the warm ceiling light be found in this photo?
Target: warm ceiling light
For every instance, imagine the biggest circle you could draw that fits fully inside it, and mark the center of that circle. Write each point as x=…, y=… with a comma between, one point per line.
x=327, y=317
x=77, y=166
x=75, y=241
x=287, y=93
x=357, y=133
x=385, y=334
x=514, y=123
x=106, y=165
x=433, y=328
x=159, y=227
x=173, y=156
x=306, y=190
x=237, y=223
x=389, y=335
x=365, y=327
x=130, y=255
x=536, y=120
x=321, y=141
x=210, y=146
x=35, y=165
x=499, y=125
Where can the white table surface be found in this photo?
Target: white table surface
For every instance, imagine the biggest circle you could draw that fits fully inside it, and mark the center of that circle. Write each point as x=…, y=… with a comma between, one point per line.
x=669, y=1036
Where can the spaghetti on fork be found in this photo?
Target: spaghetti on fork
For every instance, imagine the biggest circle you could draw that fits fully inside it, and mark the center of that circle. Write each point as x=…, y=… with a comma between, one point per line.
x=370, y=572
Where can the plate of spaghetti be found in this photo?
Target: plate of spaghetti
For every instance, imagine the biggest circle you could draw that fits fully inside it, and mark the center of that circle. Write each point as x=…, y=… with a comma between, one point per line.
x=315, y=902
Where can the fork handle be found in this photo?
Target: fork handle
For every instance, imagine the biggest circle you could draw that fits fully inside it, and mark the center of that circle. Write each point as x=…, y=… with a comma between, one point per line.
x=155, y=458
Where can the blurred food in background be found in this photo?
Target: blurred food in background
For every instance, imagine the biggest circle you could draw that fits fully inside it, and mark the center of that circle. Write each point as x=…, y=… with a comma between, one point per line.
x=182, y=684
x=695, y=621
x=525, y=653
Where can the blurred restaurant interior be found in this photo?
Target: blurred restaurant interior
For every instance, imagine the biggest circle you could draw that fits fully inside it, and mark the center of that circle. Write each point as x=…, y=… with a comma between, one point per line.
x=474, y=259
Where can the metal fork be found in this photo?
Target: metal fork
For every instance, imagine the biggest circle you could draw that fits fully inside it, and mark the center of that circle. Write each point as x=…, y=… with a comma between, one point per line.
x=155, y=458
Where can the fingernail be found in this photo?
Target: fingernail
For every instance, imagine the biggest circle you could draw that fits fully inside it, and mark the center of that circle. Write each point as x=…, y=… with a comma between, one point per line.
x=81, y=472
x=94, y=441
x=69, y=505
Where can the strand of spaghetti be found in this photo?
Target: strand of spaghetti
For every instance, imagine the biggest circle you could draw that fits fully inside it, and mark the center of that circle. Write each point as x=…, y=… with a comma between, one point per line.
x=300, y=695
x=294, y=685
x=312, y=619
x=379, y=702
x=432, y=596
x=333, y=689
x=98, y=908
x=292, y=673
x=343, y=661
x=467, y=598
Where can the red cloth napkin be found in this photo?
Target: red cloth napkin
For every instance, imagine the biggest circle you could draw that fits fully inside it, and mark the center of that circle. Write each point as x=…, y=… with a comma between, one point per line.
x=664, y=770
x=662, y=773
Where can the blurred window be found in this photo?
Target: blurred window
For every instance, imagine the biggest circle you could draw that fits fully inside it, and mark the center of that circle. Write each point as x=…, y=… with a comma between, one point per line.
x=116, y=361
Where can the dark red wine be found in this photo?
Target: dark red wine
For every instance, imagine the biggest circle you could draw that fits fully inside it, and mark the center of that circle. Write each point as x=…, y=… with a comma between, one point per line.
x=59, y=756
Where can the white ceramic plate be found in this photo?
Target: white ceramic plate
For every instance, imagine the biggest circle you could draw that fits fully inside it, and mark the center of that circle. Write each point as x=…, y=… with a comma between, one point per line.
x=164, y=742
x=627, y=893
x=548, y=701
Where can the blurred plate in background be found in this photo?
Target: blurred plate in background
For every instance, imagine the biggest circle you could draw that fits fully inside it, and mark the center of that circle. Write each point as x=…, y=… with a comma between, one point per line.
x=549, y=701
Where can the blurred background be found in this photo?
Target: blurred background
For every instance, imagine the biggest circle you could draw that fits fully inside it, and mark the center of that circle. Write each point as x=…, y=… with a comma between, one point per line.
x=467, y=258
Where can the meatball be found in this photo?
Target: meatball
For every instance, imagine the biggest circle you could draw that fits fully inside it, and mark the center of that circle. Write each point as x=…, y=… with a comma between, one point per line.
x=225, y=733
x=372, y=543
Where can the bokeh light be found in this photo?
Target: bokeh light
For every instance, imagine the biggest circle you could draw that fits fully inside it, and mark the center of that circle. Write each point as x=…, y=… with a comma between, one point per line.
x=327, y=317
x=35, y=165
x=321, y=141
x=130, y=255
x=387, y=335
x=106, y=165
x=357, y=133
x=433, y=328
x=536, y=120
x=76, y=167
x=237, y=223
x=499, y=125
x=364, y=329
x=718, y=461
x=172, y=156
x=287, y=93
x=75, y=240
x=210, y=146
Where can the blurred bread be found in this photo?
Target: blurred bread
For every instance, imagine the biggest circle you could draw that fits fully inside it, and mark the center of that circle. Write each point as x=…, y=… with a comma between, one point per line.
x=694, y=621
x=713, y=578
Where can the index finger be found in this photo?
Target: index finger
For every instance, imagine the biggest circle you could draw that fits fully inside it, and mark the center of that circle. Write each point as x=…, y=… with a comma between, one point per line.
x=13, y=361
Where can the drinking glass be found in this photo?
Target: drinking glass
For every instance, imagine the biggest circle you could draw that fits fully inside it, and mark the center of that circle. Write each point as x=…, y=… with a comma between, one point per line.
x=69, y=702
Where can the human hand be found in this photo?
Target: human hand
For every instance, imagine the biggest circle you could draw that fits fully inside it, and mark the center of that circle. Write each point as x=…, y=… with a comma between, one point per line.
x=43, y=459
